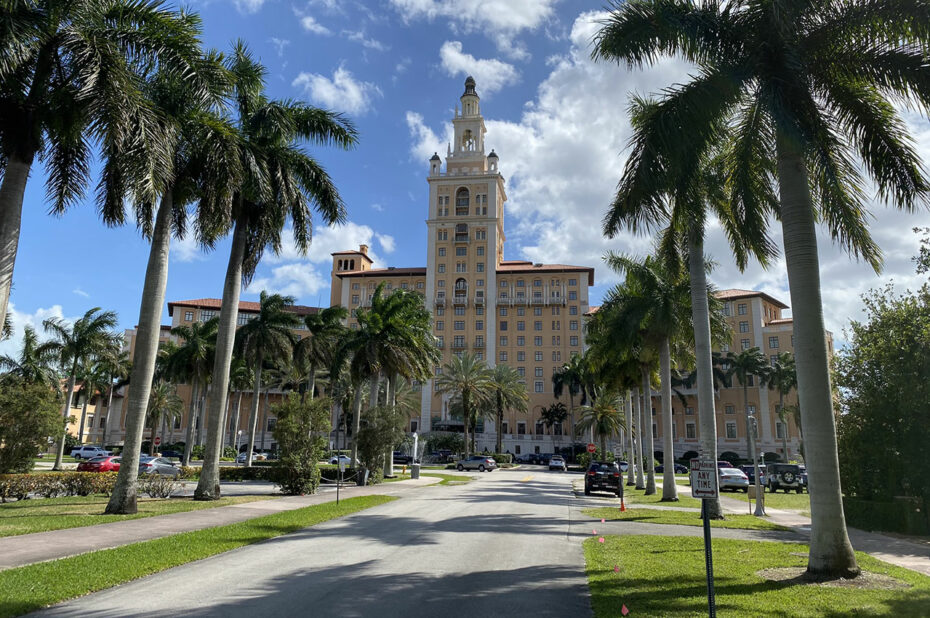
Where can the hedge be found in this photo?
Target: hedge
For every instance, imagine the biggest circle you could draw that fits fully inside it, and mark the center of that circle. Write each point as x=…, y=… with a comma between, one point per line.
x=54, y=484
x=901, y=516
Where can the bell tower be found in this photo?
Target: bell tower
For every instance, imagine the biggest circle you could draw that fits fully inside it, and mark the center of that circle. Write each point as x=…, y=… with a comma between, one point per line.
x=466, y=153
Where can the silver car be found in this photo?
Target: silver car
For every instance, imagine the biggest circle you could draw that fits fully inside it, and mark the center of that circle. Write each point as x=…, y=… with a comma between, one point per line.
x=477, y=462
x=733, y=479
x=159, y=466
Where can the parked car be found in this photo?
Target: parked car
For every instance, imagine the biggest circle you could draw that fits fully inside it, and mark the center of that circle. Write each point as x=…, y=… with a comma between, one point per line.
x=477, y=462
x=624, y=466
x=89, y=452
x=557, y=463
x=785, y=476
x=100, y=464
x=544, y=458
x=335, y=459
x=724, y=464
x=159, y=466
x=603, y=476
x=174, y=454
x=402, y=458
x=679, y=469
x=804, y=477
x=732, y=479
x=256, y=456
x=748, y=471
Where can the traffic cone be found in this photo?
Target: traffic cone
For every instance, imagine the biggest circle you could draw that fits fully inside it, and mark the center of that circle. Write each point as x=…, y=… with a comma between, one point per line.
x=622, y=506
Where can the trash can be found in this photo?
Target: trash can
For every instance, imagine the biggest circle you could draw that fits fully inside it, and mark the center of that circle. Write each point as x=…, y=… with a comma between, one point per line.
x=415, y=471
x=361, y=477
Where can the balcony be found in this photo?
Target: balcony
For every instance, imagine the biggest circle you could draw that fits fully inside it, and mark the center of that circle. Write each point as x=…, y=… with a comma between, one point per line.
x=479, y=300
x=458, y=345
x=461, y=238
x=538, y=300
x=519, y=300
x=556, y=300
x=440, y=301
x=504, y=300
x=460, y=300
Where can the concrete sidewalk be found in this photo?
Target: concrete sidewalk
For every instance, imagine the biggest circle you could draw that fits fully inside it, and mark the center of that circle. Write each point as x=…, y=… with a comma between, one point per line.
x=16, y=551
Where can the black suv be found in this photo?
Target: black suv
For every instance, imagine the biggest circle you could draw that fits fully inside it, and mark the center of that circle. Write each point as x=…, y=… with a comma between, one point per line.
x=783, y=476
x=603, y=476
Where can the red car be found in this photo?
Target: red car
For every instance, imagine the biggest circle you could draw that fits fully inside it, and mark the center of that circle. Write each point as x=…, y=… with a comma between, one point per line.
x=100, y=464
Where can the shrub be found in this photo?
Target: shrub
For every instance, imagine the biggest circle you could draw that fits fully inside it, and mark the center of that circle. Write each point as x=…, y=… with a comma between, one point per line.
x=29, y=413
x=501, y=458
x=730, y=456
x=190, y=472
x=584, y=459
x=229, y=452
x=901, y=516
x=383, y=428
x=16, y=486
x=197, y=451
x=53, y=484
x=157, y=486
x=445, y=441
x=298, y=433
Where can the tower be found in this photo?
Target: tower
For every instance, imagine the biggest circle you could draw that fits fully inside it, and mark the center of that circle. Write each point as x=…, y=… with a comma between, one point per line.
x=465, y=225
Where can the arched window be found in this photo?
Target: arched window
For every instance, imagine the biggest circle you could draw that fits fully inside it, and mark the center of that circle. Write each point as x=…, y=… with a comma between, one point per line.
x=352, y=265
x=461, y=201
x=461, y=286
x=340, y=265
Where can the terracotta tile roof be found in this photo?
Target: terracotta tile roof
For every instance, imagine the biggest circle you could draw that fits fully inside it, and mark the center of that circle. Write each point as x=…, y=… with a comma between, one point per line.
x=782, y=321
x=244, y=305
x=385, y=272
x=529, y=267
x=593, y=310
x=735, y=293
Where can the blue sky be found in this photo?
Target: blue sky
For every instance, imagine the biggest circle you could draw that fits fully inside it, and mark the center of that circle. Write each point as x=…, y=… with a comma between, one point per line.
x=396, y=68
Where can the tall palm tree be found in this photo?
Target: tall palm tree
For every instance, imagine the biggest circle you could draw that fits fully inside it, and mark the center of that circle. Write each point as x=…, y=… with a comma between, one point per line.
x=93, y=382
x=317, y=349
x=240, y=379
x=164, y=406
x=190, y=362
x=569, y=378
x=603, y=419
x=508, y=392
x=783, y=377
x=281, y=181
x=554, y=414
x=468, y=378
x=68, y=78
x=89, y=335
x=266, y=339
x=797, y=89
x=750, y=365
x=115, y=366
x=35, y=361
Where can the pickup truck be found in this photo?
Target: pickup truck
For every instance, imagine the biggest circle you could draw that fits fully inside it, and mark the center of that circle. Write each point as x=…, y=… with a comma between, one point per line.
x=89, y=452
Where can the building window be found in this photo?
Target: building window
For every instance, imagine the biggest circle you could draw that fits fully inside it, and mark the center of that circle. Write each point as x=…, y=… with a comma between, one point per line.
x=440, y=311
x=773, y=343
x=772, y=360
x=741, y=308
x=442, y=252
x=479, y=324
x=573, y=310
x=690, y=431
x=537, y=310
x=556, y=356
x=521, y=340
x=538, y=372
x=521, y=311
x=537, y=341
x=728, y=409
x=459, y=311
x=189, y=316
x=538, y=386
x=480, y=283
x=440, y=325
x=440, y=342
x=744, y=327
x=779, y=430
x=521, y=371
x=556, y=340
x=537, y=325
x=537, y=283
x=573, y=325
x=503, y=325
x=689, y=411
x=480, y=251
x=459, y=325
x=272, y=423
x=521, y=325
x=479, y=267
x=458, y=341
x=207, y=315
x=503, y=356
x=573, y=340
x=744, y=343
x=731, y=431
x=403, y=285
x=521, y=356
x=503, y=311
x=241, y=318
x=538, y=356
x=556, y=325
x=572, y=295
x=521, y=428
x=419, y=285
x=556, y=311
x=461, y=267
x=750, y=381
x=503, y=284
x=442, y=268
x=461, y=251
x=355, y=299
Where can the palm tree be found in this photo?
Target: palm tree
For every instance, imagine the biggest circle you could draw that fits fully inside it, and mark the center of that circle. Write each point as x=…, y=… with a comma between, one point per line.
x=783, y=377
x=468, y=378
x=74, y=344
x=190, y=362
x=507, y=391
x=268, y=338
x=114, y=365
x=603, y=419
x=569, y=378
x=316, y=350
x=164, y=406
x=796, y=90
x=281, y=181
x=92, y=383
x=68, y=78
x=34, y=363
x=552, y=415
x=240, y=379
x=746, y=365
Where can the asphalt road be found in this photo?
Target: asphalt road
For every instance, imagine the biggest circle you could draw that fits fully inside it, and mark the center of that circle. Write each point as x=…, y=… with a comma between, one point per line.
x=508, y=544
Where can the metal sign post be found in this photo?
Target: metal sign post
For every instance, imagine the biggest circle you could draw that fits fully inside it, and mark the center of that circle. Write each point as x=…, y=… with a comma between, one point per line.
x=342, y=469
x=704, y=486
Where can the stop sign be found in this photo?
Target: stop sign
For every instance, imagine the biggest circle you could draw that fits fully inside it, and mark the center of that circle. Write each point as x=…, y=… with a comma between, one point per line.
x=591, y=447
x=157, y=441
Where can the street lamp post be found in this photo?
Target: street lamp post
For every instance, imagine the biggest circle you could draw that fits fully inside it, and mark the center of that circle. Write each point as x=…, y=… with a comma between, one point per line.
x=759, y=512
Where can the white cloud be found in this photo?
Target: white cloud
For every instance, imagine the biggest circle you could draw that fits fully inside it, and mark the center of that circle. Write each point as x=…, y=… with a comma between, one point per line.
x=564, y=156
x=501, y=20
x=300, y=280
x=80, y=292
x=359, y=37
x=20, y=320
x=248, y=6
x=280, y=45
x=377, y=207
x=387, y=242
x=490, y=75
x=187, y=249
x=342, y=92
x=328, y=240
x=310, y=24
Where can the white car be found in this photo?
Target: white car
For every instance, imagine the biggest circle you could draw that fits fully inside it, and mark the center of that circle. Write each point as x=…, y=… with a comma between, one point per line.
x=341, y=459
x=89, y=452
x=256, y=456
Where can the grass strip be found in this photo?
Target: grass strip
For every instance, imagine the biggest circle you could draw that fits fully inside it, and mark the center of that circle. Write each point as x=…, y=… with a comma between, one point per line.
x=683, y=518
x=42, y=515
x=633, y=496
x=664, y=576
x=447, y=479
x=32, y=587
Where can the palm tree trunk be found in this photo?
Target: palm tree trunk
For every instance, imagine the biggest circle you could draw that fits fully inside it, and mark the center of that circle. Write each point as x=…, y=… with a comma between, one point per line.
x=500, y=423
x=465, y=417
x=700, y=315
x=201, y=406
x=640, y=452
x=784, y=424
x=649, y=462
x=65, y=414
x=751, y=448
x=208, y=487
x=189, y=433
x=123, y=499
x=155, y=422
x=106, y=423
x=311, y=381
x=356, y=423
x=265, y=408
x=164, y=428
x=12, y=190
x=631, y=464
x=571, y=414
x=669, y=489
x=253, y=418
x=389, y=400
x=830, y=549
x=234, y=426
x=83, y=418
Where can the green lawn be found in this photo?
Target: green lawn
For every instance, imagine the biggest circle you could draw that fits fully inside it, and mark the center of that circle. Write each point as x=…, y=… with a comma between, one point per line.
x=32, y=587
x=684, y=518
x=664, y=576
x=447, y=479
x=634, y=496
x=41, y=515
x=789, y=502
